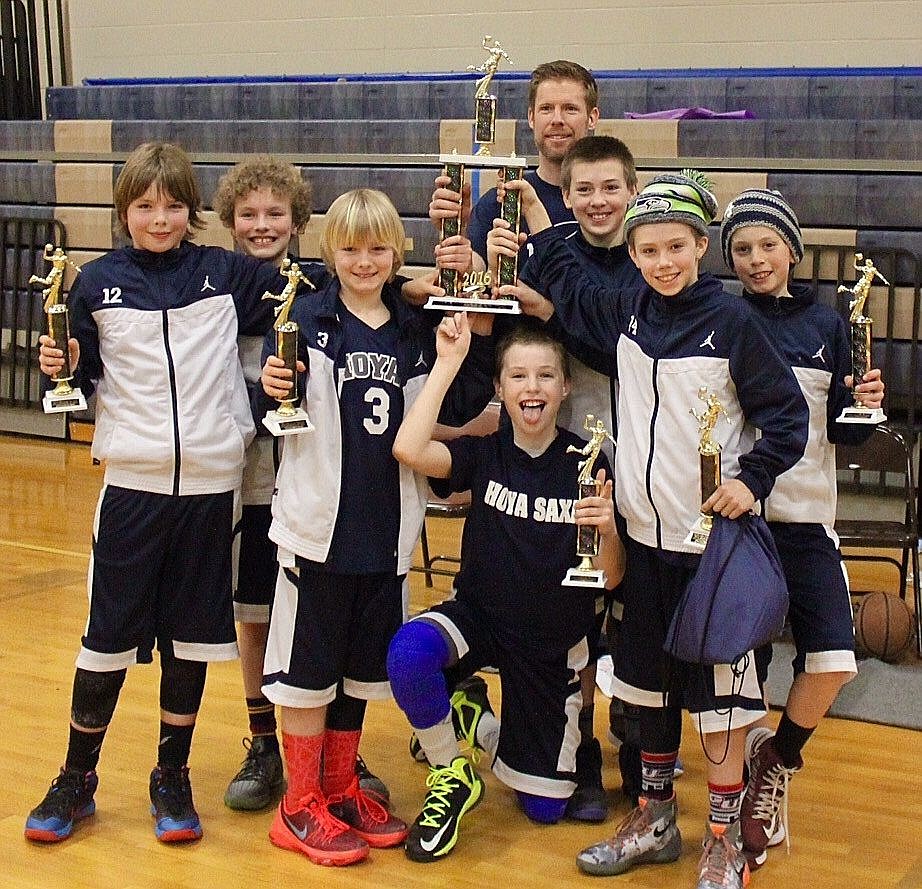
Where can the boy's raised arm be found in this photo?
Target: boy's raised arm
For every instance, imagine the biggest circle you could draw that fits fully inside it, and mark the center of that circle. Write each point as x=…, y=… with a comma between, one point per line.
x=414, y=445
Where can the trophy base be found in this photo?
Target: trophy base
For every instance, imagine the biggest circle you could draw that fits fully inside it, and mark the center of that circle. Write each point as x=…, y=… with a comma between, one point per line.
x=591, y=579
x=59, y=403
x=470, y=304
x=697, y=538
x=288, y=424
x=483, y=160
x=861, y=415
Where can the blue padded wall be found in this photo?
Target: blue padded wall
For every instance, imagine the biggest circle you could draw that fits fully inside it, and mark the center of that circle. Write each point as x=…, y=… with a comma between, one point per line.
x=844, y=97
x=810, y=138
x=618, y=96
x=769, y=97
x=889, y=201
x=889, y=139
x=722, y=138
x=820, y=200
x=687, y=92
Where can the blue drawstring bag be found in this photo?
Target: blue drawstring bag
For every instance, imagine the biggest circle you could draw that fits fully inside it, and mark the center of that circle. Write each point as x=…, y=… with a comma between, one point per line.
x=737, y=600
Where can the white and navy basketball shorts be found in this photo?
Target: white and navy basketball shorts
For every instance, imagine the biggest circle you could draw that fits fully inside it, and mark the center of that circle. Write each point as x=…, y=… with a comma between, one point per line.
x=160, y=573
x=541, y=698
x=328, y=628
x=721, y=696
x=820, y=609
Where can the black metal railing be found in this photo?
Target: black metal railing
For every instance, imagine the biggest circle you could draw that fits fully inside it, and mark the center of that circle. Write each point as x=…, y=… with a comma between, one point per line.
x=22, y=320
x=33, y=54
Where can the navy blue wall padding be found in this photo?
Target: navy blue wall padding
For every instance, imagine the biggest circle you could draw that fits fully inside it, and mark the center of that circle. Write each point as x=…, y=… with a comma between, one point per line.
x=810, y=138
x=22, y=183
x=409, y=188
x=542, y=809
x=449, y=100
x=722, y=138
x=618, y=96
x=267, y=101
x=397, y=101
x=31, y=135
x=329, y=183
x=911, y=241
x=889, y=201
x=889, y=139
x=415, y=659
x=685, y=92
x=325, y=101
x=425, y=237
x=822, y=201
x=770, y=96
x=843, y=97
x=907, y=100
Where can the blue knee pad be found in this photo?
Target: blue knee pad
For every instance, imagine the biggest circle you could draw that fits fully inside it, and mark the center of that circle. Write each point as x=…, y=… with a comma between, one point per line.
x=415, y=659
x=543, y=809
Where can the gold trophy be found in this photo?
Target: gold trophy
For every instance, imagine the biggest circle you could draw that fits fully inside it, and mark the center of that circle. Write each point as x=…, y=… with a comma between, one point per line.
x=587, y=536
x=709, y=459
x=288, y=419
x=64, y=396
x=861, y=341
x=469, y=292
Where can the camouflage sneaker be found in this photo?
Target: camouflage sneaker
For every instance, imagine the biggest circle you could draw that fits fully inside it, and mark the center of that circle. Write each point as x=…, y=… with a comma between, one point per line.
x=764, y=810
x=723, y=862
x=649, y=835
x=69, y=799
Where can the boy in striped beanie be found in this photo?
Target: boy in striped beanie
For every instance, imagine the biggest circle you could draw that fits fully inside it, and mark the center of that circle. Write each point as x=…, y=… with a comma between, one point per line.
x=761, y=242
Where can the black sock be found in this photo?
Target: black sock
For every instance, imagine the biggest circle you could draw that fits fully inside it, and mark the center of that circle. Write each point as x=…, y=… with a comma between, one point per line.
x=83, y=749
x=175, y=743
x=261, y=712
x=587, y=724
x=789, y=741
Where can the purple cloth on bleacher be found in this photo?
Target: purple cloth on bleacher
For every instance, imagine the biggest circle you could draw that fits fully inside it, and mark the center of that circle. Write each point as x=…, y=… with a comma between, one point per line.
x=691, y=114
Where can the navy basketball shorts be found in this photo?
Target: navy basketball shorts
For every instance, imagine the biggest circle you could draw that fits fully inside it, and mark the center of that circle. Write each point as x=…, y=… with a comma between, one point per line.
x=328, y=628
x=820, y=610
x=721, y=696
x=541, y=699
x=257, y=565
x=160, y=573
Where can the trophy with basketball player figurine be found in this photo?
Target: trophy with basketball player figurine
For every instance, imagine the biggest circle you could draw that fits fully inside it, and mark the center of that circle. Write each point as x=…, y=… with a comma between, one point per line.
x=709, y=461
x=860, y=326
x=64, y=396
x=587, y=536
x=288, y=419
x=470, y=292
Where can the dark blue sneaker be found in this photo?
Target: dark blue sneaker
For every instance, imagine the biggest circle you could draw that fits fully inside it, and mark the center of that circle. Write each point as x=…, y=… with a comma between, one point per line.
x=175, y=818
x=69, y=799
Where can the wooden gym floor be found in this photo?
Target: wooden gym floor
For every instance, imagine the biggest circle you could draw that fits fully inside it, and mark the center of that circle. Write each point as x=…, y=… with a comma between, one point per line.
x=855, y=810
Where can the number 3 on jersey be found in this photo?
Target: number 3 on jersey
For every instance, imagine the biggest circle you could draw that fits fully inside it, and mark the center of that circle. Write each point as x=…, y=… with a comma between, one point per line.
x=380, y=403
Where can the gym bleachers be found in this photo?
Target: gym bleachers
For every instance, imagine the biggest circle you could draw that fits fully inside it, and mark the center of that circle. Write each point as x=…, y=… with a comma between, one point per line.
x=844, y=147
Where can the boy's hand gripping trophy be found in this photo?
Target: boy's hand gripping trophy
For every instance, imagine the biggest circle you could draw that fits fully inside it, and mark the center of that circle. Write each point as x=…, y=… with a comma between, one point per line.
x=861, y=342
x=64, y=396
x=468, y=293
x=709, y=458
x=288, y=419
x=587, y=536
